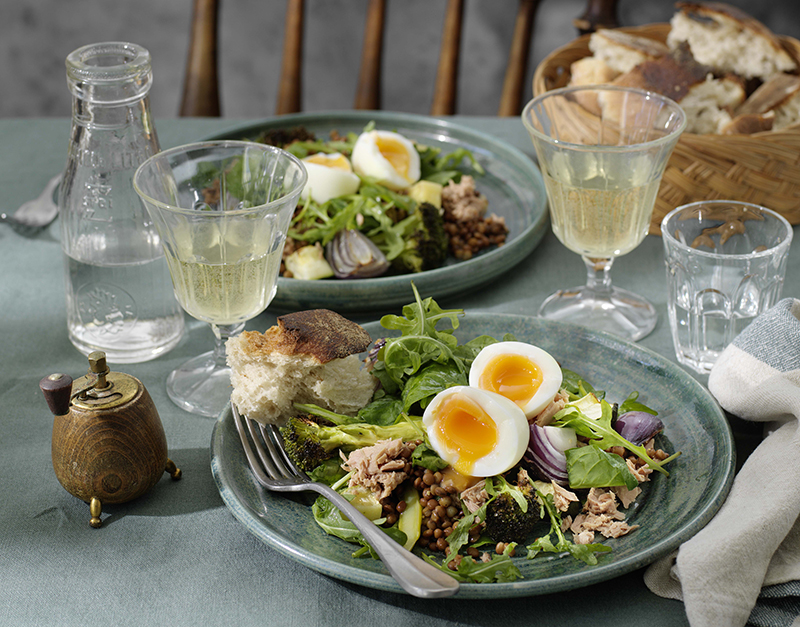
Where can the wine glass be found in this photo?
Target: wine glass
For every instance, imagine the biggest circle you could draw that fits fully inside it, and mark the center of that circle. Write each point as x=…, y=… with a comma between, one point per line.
x=602, y=151
x=222, y=209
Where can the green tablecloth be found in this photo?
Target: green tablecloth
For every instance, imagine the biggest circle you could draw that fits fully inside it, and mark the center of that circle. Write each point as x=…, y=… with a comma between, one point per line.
x=177, y=556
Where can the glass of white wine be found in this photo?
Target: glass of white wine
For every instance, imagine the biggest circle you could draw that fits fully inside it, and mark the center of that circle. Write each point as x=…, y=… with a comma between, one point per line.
x=222, y=209
x=602, y=151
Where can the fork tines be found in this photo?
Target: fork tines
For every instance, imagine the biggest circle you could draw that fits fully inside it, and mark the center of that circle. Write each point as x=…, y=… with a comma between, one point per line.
x=269, y=461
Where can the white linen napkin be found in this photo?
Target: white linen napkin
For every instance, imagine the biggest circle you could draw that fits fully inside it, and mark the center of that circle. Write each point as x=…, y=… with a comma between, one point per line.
x=745, y=564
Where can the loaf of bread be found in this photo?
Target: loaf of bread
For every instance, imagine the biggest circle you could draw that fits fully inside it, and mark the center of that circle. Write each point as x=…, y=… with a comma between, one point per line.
x=308, y=357
x=729, y=40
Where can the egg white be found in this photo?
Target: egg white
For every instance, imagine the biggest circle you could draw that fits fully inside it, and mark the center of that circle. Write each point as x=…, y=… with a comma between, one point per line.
x=512, y=430
x=329, y=176
x=551, y=372
x=370, y=162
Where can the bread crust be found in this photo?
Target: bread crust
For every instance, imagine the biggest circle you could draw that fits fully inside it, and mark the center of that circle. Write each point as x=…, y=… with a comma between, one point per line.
x=771, y=95
x=649, y=48
x=320, y=333
x=709, y=10
x=664, y=76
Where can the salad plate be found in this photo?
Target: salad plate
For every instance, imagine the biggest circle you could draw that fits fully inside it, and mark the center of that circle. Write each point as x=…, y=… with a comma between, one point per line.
x=669, y=511
x=512, y=183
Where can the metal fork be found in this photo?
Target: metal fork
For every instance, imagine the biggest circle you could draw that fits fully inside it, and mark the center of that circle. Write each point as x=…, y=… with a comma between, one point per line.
x=274, y=470
x=36, y=214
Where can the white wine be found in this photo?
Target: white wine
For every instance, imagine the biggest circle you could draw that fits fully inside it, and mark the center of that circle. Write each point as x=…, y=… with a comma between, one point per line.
x=601, y=207
x=225, y=293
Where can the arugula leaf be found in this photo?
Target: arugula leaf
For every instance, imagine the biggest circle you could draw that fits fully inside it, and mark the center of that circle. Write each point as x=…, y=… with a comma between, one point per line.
x=444, y=168
x=498, y=485
x=499, y=568
x=460, y=534
x=592, y=467
x=601, y=433
x=583, y=552
x=420, y=341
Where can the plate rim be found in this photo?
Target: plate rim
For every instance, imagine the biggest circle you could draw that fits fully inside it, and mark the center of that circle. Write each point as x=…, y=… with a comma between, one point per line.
x=503, y=258
x=524, y=587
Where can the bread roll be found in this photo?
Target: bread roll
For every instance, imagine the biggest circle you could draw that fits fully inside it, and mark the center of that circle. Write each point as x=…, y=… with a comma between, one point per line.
x=308, y=357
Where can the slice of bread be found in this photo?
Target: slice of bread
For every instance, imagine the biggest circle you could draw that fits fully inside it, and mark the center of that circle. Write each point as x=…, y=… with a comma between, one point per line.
x=729, y=40
x=780, y=96
x=623, y=51
x=308, y=357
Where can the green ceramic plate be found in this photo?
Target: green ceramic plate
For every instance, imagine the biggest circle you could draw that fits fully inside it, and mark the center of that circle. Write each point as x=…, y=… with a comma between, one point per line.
x=513, y=185
x=671, y=509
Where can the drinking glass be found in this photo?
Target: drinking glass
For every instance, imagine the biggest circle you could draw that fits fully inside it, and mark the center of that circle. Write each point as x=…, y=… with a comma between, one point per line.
x=726, y=262
x=602, y=151
x=222, y=209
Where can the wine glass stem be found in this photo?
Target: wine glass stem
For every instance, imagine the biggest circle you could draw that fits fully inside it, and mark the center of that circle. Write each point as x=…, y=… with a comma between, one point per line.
x=598, y=275
x=221, y=335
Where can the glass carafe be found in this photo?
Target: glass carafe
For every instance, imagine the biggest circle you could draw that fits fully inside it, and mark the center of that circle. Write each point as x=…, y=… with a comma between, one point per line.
x=119, y=294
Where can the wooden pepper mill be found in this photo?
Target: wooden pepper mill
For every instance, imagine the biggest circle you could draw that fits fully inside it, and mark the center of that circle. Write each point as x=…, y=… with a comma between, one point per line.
x=108, y=442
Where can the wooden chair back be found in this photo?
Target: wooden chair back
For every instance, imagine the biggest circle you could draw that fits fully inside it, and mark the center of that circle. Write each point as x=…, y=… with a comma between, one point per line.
x=201, y=82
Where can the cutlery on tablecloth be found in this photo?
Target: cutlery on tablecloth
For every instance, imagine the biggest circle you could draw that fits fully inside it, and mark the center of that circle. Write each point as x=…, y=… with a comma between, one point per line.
x=274, y=470
x=36, y=214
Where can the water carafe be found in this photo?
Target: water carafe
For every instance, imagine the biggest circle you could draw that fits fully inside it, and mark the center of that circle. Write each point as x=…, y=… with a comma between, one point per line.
x=119, y=293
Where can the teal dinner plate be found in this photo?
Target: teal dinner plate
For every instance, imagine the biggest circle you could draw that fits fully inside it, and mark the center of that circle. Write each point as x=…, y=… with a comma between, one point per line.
x=669, y=511
x=513, y=185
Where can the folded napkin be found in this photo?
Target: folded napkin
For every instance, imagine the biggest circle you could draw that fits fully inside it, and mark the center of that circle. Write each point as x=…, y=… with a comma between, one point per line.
x=745, y=564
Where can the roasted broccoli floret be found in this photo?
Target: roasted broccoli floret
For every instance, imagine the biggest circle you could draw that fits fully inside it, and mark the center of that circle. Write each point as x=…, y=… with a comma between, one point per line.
x=426, y=240
x=505, y=519
x=309, y=444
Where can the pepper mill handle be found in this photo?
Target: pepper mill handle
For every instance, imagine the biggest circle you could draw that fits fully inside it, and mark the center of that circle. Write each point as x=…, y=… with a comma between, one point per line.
x=57, y=389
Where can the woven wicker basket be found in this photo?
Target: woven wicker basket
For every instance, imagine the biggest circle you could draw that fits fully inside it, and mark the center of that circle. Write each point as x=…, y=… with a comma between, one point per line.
x=763, y=168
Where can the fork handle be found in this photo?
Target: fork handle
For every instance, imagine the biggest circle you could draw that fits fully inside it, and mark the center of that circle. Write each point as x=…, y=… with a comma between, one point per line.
x=415, y=575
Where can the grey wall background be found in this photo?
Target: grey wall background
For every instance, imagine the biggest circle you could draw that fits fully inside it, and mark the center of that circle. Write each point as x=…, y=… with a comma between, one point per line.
x=36, y=36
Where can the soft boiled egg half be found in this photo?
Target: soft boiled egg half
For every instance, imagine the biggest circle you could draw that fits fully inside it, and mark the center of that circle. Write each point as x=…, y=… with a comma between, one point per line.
x=386, y=157
x=329, y=176
x=522, y=373
x=478, y=433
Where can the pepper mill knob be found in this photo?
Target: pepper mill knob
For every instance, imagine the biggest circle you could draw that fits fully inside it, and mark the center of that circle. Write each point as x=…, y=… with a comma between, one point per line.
x=57, y=389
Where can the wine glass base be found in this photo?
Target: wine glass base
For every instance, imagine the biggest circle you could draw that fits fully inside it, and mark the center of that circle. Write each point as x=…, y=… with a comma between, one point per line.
x=621, y=312
x=200, y=386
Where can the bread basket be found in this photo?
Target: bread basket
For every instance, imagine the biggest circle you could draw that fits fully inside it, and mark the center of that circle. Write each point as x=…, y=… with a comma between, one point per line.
x=763, y=168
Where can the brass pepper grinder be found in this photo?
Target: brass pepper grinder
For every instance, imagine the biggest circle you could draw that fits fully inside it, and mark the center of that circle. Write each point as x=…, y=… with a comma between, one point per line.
x=108, y=441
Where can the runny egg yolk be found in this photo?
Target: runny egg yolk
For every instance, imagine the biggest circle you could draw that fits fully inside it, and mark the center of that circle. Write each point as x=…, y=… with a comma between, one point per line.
x=514, y=376
x=338, y=161
x=395, y=153
x=466, y=429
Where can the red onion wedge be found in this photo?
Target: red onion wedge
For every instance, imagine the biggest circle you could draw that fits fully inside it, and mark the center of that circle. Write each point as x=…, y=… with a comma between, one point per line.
x=354, y=256
x=545, y=452
x=637, y=426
